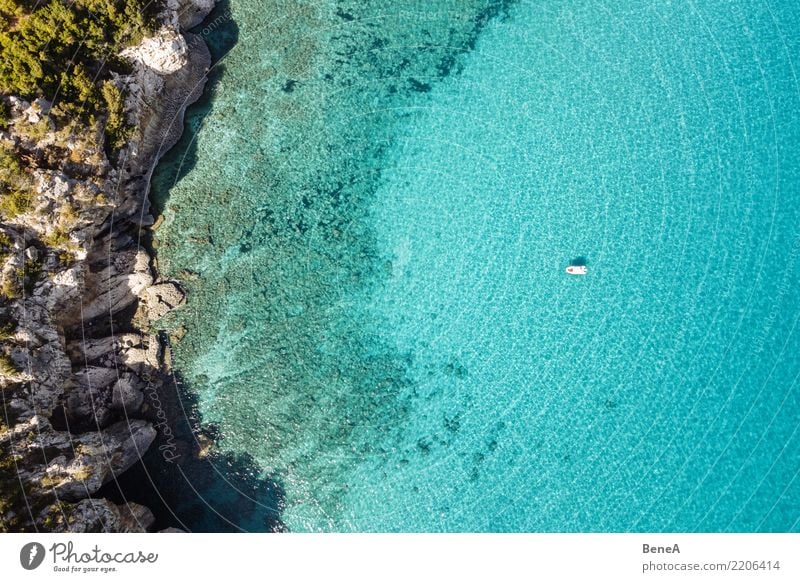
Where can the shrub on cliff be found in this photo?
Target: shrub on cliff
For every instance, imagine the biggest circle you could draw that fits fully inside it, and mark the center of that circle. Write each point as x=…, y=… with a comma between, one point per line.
x=6, y=250
x=11, y=8
x=60, y=48
x=11, y=173
x=117, y=130
x=5, y=114
x=14, y=202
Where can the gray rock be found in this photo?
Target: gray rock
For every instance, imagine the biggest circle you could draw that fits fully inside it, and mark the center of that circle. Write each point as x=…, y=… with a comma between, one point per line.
x=62, y=289
x=95, y=378
x=72, y=466
x=99, y=456
x=92, y=350
x=164, y=53
x=100, y=516
x=127, y=396
x=89, y=399
x=118, y=285
x=163, y=298
x=146, y=219
x=121, y=242
x=135, y=518
x=49, y=370
x=144, y=357
x=189, y=13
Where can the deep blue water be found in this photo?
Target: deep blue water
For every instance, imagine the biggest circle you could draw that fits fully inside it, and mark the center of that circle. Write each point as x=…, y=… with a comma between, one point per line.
x=375, y=233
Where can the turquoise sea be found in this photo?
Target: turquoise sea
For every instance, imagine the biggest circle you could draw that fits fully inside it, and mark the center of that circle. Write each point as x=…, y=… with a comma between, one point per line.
x=373, y=211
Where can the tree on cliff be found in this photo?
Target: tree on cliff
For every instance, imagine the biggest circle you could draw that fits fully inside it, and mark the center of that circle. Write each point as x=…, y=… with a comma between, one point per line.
x=61, y=49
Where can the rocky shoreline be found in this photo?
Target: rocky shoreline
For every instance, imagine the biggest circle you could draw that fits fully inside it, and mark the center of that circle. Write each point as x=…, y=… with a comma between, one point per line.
x=82, y=361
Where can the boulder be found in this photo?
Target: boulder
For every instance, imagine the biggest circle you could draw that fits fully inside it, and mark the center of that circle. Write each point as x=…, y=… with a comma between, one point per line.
x=162, y=298
x=118, y=285
x=99, y=516
x=49, y=370
x=105, y=349
x=97, y=457
x=187, y=14
x=89, y=399
x=143, y=357
x=126, y=395
x=164, y=53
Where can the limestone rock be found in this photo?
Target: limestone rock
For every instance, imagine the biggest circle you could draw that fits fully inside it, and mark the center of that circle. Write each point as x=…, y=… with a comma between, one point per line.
x=163, y=298
x=190, y=13
x=71, y=466
x=18, y=106
x=49, y=370
x=62, y=289
x=103, y=351
x=144, y=356
x=127, y=396
x=165, y=53
x=91, y=350
x=89, y=400
x=135, y=518
x=98, y=457
x=122, y=291
x=33, y=112
x=100, y=516
x=119, y=285
x=162, y=126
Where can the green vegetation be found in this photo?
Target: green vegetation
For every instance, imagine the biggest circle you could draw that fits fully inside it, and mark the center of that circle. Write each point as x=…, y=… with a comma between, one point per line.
x=6, y=249
x=7, y=329
x=57, y=515
x=5, y=112
x=15, y=196
x=9, y=289
x=59, y=48
x=65, y=258
x=63, y=50
x=12, y=508
x=11, y=173
x=56, y=238
x=117, y=130
x=14, y=202
x=34, y=131
x=29, y=274
x=7, y=367
x=22, y=278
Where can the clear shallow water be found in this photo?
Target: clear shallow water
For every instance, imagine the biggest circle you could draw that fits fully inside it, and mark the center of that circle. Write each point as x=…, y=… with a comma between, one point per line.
x=379, y=220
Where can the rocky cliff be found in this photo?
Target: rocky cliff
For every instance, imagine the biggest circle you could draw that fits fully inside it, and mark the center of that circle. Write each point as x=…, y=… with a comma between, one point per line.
x=78, y=291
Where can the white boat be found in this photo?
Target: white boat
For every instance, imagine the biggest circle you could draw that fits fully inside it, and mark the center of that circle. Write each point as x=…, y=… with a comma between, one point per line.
x=576, y=269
